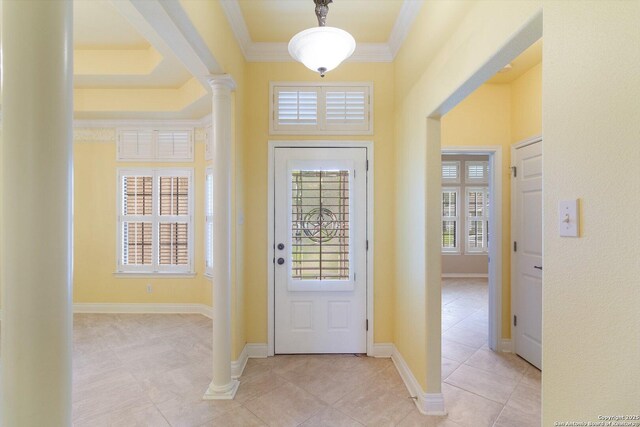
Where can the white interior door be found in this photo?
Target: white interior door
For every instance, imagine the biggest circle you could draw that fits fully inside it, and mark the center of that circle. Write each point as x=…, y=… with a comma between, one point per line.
x=528, y=253
x=320, y=250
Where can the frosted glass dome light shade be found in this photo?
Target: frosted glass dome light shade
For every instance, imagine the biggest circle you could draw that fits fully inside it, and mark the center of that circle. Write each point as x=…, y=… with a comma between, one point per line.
x=322, y=49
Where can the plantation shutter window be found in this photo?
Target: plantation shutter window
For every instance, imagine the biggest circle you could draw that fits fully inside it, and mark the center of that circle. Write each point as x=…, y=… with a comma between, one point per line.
x=322, y=109
x=477, y=171
x=347, y=109
x=155, y=232
x=174, y=145
x=477, y=221
x=450, y=172
x=154, y=145
x=135, y=145
x=450, y=220
x=296, y=108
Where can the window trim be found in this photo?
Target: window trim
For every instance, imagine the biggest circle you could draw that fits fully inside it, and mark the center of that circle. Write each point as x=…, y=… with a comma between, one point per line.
x=321, y=128
x=484, y=218
x=456, y=249
x=154, y=269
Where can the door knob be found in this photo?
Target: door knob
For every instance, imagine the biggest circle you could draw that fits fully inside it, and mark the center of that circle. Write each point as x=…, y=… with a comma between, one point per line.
x=280, y=261
x=539, y=267
x=281, y=246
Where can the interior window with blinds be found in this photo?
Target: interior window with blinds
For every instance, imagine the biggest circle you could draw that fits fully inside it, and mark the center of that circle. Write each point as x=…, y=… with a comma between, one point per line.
x=155, y=232
x=325, y=109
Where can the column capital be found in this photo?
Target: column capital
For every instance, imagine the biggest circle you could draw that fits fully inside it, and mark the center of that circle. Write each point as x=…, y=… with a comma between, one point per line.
x=224, y=80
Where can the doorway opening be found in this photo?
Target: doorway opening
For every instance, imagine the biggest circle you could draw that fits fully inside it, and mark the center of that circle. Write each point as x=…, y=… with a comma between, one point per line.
x=471, y=249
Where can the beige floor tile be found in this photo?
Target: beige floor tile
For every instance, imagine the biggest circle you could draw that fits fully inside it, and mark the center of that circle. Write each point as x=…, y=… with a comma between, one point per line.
x=330, y=417
x=455, y=351
x=526, y=399
x=287, y=405
x=107, y=400
x=190, y=379
x=256, y=367
x=191, y=411
x=376, y=405
x=532, y=377
x=257, y=385
x=448, y=366
x=237, y=417
x=503, y=364
x=468, y=337
x=511, y=417
x=416, y=419
x=468, y=409
x=483, y=383
x=142, y=416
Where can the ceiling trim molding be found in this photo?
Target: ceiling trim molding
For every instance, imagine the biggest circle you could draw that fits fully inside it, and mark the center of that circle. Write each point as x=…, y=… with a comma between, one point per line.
x=278, y=52
x=170, y=31
x=408, y=13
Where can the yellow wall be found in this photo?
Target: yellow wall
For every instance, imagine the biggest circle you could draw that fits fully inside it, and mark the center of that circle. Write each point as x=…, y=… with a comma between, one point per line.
x=257, y=134
x=479, y=34
x=591, y=116
x=95, y=222
x=526, y=105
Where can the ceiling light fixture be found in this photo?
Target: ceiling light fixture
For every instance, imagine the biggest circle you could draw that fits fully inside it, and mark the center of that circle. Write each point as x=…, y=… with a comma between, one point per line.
x=322, y=48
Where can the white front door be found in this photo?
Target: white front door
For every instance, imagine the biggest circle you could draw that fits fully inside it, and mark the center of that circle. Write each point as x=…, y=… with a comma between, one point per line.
x=528, y=253
x=320, y=222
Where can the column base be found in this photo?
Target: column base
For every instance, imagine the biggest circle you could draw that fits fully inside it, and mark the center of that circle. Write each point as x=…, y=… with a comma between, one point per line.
x=226, y=392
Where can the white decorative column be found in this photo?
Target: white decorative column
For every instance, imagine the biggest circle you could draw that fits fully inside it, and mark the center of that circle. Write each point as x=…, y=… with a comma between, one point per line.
x=37, y=168
x=222, y=386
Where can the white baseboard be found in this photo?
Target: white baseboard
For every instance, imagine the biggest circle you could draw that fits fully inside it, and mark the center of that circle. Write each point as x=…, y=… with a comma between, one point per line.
x=382, y=350
x=142, y=308
x=464, y=275
x=505, y=346
x=237, y=366
x=257, y=350
x=427, y=403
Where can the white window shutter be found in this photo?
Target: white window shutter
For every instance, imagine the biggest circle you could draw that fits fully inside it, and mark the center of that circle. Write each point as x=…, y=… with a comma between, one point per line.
x=347, y=108
x=450, y=172
x=175, y=145
x=135, y=145
x=295, y=108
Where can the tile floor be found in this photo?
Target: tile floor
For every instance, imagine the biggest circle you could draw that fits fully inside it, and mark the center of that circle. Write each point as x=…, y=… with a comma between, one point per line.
x=152, y=370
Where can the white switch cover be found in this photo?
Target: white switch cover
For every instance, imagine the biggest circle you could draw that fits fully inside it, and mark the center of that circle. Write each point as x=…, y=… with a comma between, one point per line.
x=568, y=218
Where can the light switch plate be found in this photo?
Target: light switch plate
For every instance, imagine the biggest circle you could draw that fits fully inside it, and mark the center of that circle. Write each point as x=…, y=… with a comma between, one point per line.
x=568, y=218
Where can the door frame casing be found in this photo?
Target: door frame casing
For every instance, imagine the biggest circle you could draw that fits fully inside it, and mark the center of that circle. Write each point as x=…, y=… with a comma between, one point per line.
x=495, y=238
x=514, y=230
x=368, y=145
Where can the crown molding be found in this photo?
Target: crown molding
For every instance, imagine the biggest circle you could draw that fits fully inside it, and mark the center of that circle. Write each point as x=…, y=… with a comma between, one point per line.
x=278, y=52
x=400, y=31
